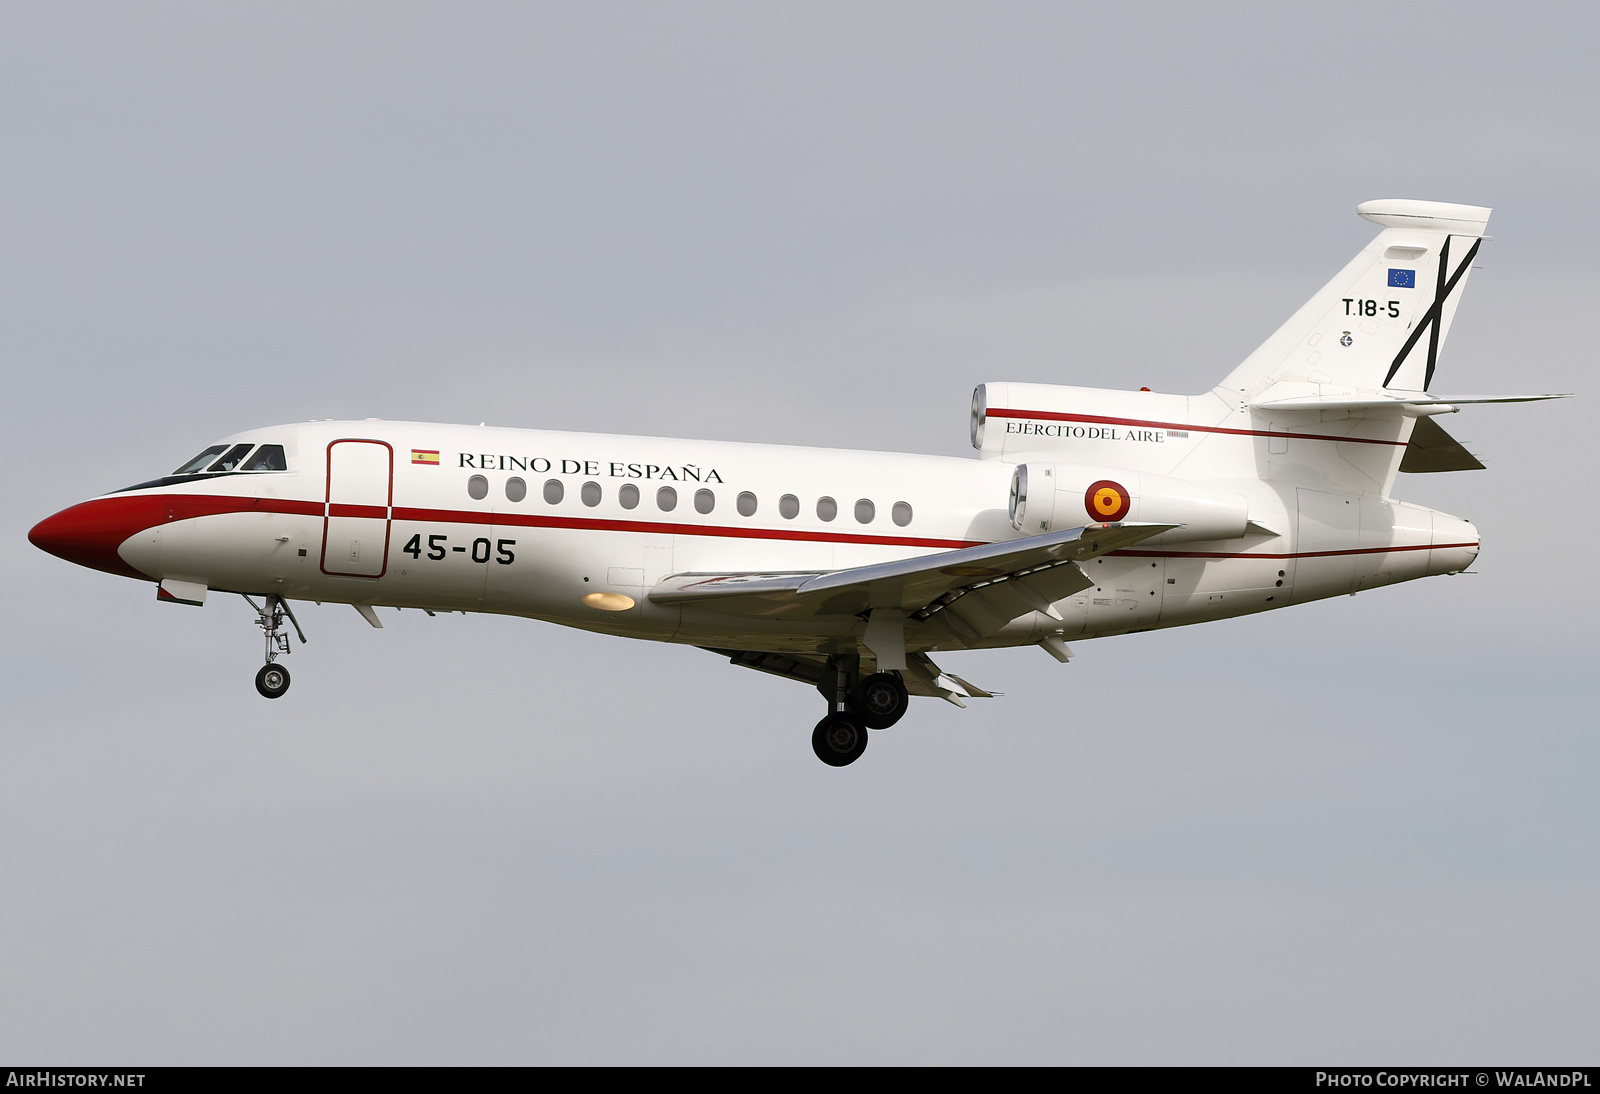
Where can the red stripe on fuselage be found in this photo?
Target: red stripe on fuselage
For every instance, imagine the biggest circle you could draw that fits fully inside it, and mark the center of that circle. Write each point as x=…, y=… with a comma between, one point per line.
x=125, y=516
x=1100, y=419
x=89, y=534
x=337, y=509
x=722, y=531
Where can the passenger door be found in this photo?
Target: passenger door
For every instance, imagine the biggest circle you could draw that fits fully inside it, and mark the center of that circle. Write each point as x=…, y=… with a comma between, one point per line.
x=358, y=507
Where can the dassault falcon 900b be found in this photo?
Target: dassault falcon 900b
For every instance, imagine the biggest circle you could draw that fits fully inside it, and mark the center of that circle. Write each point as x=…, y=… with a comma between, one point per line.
x=1088, y=513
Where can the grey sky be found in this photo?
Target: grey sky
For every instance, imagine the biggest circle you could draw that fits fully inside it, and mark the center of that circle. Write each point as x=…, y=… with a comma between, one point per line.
x=1358, y=831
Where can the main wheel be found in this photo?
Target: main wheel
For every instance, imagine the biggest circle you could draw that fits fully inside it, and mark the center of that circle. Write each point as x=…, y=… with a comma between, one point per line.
x=272, y=681
x=839, y=740
x=880, y=700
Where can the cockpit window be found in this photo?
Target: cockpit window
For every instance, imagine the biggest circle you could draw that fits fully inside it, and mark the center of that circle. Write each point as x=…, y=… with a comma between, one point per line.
x=234, y=457
x=198, y=464
x=269, y=457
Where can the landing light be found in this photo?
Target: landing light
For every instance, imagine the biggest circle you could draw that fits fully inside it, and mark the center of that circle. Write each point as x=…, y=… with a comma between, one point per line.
x=609, y=602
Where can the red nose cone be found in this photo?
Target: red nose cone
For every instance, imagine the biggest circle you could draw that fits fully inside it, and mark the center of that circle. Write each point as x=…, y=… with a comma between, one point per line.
x=89, y=534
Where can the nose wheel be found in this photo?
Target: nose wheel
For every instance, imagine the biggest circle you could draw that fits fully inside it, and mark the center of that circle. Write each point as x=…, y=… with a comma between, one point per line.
x=272, y=681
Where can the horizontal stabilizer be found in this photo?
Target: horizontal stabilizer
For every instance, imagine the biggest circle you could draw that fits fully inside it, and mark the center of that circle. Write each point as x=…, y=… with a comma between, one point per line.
x=1398, y=399
x=1432, y=449
x=909, y=584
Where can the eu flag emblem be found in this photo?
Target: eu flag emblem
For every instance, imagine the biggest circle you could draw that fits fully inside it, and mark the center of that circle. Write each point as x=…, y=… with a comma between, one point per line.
x=1402, y=279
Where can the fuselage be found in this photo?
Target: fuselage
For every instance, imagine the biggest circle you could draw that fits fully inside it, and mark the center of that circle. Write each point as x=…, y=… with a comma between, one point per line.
x=537, y=523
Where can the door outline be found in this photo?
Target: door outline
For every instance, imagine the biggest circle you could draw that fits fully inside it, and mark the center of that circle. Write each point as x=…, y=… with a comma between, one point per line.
x=358, y=510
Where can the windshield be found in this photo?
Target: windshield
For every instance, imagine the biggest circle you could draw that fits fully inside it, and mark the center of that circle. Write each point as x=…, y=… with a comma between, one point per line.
x=234, y=457
x=199, y=462
x=223, y=459
x=269, y=457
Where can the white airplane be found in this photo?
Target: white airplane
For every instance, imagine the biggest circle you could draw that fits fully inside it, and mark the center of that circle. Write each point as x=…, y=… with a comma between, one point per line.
x=1089, y=512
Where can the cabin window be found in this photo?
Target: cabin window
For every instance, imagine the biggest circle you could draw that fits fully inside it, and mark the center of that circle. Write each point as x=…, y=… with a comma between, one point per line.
x=553, y=491
x=746, y=504
x=590, y=494
x=901, y=513
x=516, y=489
x=704, y=501
x=666, y=499
x=233, y=459
x=477, y=488
x=198, y=464
x=269, y=457
x=788, y=507
x=865, y=511
x=827, y=508
x=628, y=495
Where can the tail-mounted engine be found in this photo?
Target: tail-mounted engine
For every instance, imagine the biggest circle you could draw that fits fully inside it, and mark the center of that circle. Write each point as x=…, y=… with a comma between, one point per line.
x=1047, y=497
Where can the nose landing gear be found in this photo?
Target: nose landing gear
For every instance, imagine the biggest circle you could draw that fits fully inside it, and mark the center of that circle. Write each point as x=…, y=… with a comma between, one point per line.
x=273, y=680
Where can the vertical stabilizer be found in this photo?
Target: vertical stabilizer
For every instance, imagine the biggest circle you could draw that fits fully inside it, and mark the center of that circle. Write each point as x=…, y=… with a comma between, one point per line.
x=1381, y=321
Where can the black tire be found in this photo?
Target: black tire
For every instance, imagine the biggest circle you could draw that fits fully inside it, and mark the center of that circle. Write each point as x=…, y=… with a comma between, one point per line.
x=838, y=740
x=880, y=700
x=272, y=681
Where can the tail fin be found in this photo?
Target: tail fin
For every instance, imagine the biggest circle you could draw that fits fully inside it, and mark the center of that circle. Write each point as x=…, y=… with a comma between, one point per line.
x=1380, y=322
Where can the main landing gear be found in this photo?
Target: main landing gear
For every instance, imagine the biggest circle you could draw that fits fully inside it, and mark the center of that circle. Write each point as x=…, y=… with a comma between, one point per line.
x=839, y=739
x=273, y=680
x=880, y=700
x=858, y=703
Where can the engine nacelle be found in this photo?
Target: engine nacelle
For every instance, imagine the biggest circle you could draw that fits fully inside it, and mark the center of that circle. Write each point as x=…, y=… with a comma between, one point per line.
x=1047, y=497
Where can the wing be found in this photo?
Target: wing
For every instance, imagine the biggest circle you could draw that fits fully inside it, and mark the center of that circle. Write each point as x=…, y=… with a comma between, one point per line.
x=1010, y=578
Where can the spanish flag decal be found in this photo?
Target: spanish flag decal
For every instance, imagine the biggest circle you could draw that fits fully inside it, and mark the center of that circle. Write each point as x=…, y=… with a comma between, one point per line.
x=425, y=455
